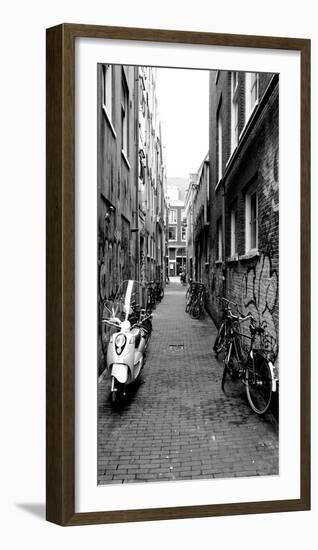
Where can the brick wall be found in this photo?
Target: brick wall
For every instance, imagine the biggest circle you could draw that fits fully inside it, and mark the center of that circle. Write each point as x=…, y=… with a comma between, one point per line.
x=252, y=280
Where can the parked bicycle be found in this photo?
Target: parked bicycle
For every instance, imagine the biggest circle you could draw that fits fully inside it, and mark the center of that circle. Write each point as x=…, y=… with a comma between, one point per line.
x=158, y=290
x=151, y=296
x=195, y=296
x=253, y=368
x=222, y=336
x=189, y=293
x=183, y=277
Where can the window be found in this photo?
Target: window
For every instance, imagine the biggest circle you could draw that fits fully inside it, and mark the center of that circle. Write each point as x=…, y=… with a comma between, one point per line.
x=172, y=253
x=220, y=240
x=124, y=115
x=183, y=215
x=172, y=234
x=219, y=144
x=183, y=233
x=251, y=221
x=234, y=110
x=108, y=90
x=251, y=92
x=172, y=216
x=233, y=232
x=207, y=177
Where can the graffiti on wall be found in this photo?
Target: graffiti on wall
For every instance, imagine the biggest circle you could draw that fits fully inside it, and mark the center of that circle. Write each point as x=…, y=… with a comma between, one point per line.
x=113, y=264
x=217, y=290
x=259, y=295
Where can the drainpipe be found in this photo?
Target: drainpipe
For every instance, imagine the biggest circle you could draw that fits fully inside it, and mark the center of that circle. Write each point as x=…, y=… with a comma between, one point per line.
x=137, y=264
x=223, y=240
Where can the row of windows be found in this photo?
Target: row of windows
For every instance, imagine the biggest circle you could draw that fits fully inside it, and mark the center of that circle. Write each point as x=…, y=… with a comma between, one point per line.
x=173, y=215
x=172, y=233
x=250, y=229
x=251, y=99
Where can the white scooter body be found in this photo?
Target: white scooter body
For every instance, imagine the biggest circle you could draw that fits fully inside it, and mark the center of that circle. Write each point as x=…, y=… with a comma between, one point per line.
x=125, y=362
x=126, y=348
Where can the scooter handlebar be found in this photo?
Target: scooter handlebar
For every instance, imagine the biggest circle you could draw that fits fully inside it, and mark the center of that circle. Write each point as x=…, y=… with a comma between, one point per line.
x=114, y=322
x=147, y=317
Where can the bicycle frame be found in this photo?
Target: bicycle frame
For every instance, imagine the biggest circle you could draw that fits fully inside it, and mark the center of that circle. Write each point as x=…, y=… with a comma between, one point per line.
x=233, y=345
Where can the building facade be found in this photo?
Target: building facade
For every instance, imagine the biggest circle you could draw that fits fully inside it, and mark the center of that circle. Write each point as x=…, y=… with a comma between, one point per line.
x=177, y=255
x=117, y=176
x=188, y=206
x=201, y=221
x=243, y=249
x=131, y=183
x=151, y=181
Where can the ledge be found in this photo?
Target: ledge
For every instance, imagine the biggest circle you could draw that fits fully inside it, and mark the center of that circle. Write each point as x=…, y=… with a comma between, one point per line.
x=218, y=184
x=249, y=256
x=109, y=122
x=123, y=154
x=231, y=259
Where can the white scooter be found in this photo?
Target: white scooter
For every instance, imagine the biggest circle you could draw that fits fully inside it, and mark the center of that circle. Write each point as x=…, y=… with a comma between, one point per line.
x=128, y=343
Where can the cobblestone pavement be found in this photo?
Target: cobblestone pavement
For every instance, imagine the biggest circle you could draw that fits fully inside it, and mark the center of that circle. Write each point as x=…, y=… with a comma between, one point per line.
x=176, y=423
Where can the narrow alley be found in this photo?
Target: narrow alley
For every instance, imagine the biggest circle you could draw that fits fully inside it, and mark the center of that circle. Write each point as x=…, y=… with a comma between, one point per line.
x=175, y=422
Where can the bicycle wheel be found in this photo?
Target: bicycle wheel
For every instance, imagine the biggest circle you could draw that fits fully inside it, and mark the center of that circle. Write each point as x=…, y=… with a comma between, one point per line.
x=220, y=340
x=195, y=309
x=259, y=384
x=188, y=304
x=231, y=383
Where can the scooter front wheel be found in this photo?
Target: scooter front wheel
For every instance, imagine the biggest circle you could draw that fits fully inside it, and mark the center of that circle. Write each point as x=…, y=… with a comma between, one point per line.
x=116, y=391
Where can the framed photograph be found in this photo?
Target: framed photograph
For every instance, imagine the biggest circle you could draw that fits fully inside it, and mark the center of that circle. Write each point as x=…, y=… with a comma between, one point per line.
x=178, y=286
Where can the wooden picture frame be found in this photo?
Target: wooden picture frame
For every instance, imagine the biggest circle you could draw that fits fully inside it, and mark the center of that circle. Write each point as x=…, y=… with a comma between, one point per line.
x=60, y=304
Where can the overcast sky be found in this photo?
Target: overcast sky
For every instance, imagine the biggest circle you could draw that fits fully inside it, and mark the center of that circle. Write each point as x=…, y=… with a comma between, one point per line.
x=183, y=103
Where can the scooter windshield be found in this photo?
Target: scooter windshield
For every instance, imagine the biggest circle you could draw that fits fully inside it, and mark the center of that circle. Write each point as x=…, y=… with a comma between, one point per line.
x=131, y=297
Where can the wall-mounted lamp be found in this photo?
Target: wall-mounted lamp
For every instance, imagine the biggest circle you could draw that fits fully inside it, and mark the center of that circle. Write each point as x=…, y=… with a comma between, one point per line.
x=108, y=213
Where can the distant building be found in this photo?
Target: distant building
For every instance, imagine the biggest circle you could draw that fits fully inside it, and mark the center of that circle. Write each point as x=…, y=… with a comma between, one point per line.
x=177, y=256
x=177, y=188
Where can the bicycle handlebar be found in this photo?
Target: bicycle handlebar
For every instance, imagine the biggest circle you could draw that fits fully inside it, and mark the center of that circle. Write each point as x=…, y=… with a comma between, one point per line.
x=228, y=301
x=241, y=317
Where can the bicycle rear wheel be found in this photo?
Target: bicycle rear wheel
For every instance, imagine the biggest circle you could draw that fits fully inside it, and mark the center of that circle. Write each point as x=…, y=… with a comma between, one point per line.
x=259, y=384
x=195, y=310
x=220, y=340
x=188, y=304
x=231, y=383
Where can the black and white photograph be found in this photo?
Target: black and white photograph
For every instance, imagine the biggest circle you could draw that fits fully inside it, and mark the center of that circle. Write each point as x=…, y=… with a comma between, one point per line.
x=158, y=199
x=188, y=274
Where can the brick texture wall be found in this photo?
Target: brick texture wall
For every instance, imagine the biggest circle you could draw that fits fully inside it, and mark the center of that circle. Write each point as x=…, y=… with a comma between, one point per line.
x=251, y=280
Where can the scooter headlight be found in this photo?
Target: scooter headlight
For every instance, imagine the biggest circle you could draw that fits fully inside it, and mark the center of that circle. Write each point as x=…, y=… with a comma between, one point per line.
x=120, y=340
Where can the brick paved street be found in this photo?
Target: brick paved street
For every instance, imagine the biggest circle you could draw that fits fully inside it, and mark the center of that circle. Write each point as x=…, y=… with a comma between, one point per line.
x=176, y=423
